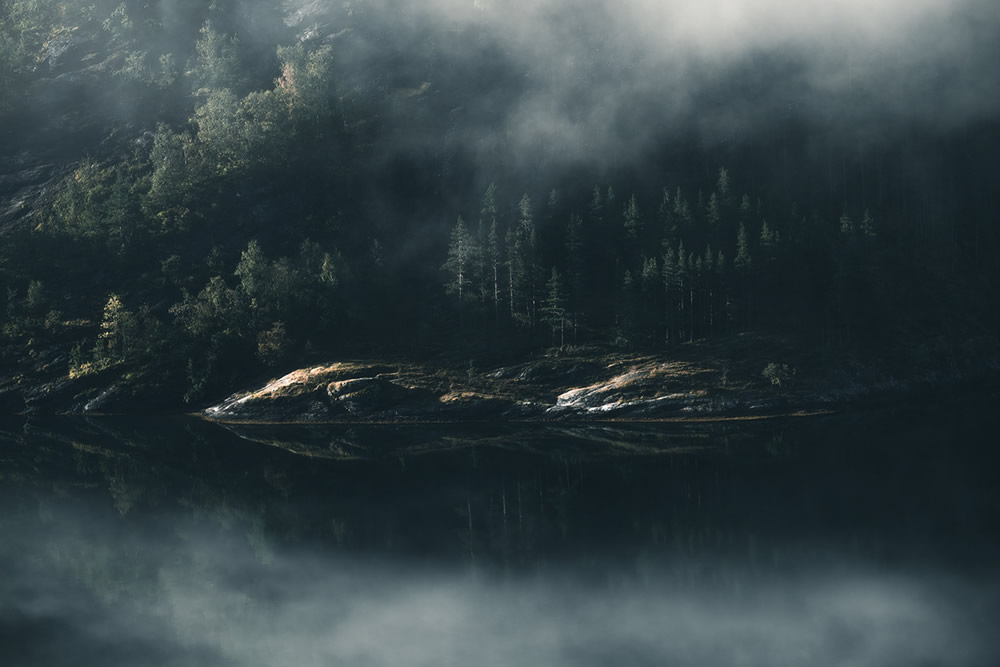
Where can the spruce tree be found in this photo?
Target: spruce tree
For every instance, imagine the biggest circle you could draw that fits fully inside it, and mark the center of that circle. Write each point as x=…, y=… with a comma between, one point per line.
x=846, y=226
x=515, y=271
x=743, y=264
x=743, y=260
x=595, y=209
x=492, y=253
x=722, y=185
x=668, y=224
x=682, y=212
x=633, y=223
x=746, y=207
x=694, y=276
x=708, y=279
x=671, y=280
x=574, y=267
x=720, y=276
x=491, y=250
x=527, y=247
x=119, y=328
x=651, y=276
x=554, y=307
x=714, y=211
x=460, y=254
x=767, y=237
x=682, y=281
x=868, y=225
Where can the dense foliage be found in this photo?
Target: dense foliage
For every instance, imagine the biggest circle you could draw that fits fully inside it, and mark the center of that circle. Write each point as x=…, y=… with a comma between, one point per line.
x=256, y=205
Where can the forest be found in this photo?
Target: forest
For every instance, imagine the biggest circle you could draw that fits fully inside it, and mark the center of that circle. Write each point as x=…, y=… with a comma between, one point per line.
x=196, y=195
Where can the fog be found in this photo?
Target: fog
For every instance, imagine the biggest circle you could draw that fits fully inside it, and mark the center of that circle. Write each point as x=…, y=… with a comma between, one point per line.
x=603, y=80
x=526, y=87
x=857, y=540
x=181, y=595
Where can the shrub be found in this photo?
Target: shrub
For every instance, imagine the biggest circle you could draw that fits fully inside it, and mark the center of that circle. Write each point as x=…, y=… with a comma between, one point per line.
x=779, y=375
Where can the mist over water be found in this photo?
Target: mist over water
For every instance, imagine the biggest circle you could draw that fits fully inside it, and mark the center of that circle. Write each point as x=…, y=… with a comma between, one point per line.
x=849, y=541
x=213, y=605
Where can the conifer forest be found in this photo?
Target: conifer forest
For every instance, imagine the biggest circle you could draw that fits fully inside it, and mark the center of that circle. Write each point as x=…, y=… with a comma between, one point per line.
x=198, y=194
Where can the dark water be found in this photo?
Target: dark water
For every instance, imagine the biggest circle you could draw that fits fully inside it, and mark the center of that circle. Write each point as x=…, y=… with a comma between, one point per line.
x=867, y=539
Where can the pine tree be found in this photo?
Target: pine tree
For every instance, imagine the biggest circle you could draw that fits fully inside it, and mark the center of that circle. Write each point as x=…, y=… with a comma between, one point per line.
x=217, y=64
x=720, y=276
x=722, y=185
x=651, y=276
x=460, y=254
x=682, y=211
x=668, y=224
x=650, y=273
x=527, y=246
x=574, y=267
x=628, y=255
x=625, y=316
x=714, y=211
x=767, y=237
x=118, y=332
x=515, y=270
x=554, y=308
x=745, y=208
x=868, y=225
x=743, y=260
x=744, y=264
x=694, y=269
x=633, y=223
x=493, y=262
x=491, y=250
x=708, y=278
x=595, y=209
x=846, y=225
x=671, y=282
x=481, y=282
x=682, y=281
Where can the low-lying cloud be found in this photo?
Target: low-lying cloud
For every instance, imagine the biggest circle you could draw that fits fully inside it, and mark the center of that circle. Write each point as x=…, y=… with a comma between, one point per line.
x=601, y=79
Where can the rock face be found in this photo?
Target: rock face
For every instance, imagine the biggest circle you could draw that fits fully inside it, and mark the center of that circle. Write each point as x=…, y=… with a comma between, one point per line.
x=351, y=392
x=334, y=392
x=61, y=121
x=692, y=383
x=546, y=389
x=371, y=397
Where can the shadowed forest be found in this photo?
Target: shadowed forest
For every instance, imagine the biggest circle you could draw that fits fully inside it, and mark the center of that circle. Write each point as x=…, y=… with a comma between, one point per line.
x=197, y=195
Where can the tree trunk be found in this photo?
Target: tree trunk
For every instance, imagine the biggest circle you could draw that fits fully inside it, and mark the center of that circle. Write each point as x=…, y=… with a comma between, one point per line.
x=691, y=312
x=496, y=294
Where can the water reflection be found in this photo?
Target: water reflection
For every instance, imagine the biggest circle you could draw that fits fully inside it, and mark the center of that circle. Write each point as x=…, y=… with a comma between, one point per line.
x=861, y=541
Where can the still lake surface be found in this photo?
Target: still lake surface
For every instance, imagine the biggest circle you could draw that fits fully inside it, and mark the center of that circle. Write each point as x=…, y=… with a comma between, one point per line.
x=862, y=539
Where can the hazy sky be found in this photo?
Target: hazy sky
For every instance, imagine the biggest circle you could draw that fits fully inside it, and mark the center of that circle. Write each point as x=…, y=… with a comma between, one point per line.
x=604, y=78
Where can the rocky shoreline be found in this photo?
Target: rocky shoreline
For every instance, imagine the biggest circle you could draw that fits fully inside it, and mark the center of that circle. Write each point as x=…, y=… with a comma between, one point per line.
x=621, y=387
x=745, y=376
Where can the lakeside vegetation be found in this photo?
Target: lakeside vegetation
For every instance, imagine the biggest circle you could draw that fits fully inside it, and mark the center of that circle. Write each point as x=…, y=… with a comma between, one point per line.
x=238, y=215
